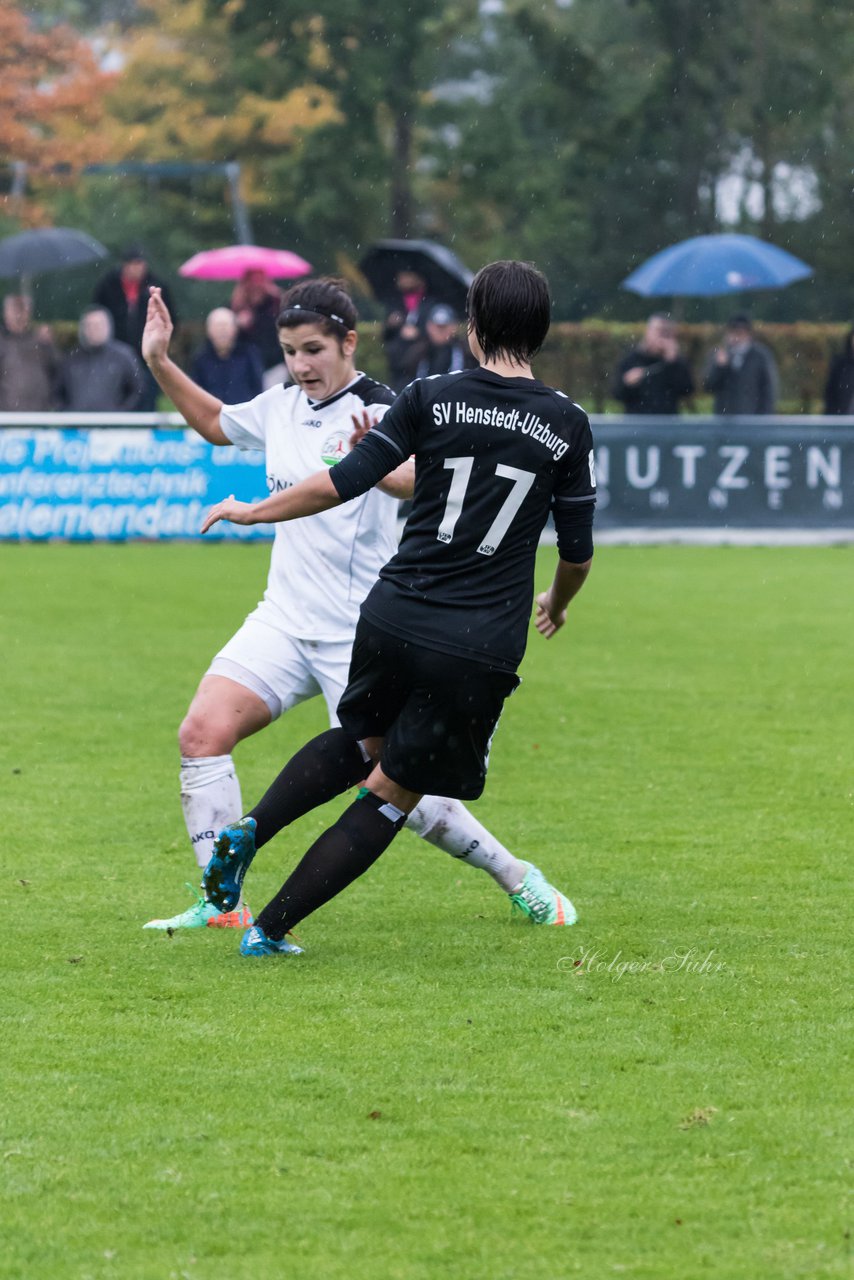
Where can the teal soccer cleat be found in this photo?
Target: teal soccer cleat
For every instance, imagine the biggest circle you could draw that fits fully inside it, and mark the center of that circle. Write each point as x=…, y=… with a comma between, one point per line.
x=541, y=902
x=234, y=849
x=256, y=943
x=201, y=914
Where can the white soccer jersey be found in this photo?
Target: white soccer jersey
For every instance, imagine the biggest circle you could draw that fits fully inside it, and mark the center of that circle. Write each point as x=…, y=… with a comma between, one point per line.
x=323, y=567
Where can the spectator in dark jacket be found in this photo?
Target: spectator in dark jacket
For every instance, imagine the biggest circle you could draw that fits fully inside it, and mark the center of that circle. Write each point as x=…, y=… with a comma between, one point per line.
x=100, y=375
x=29, y=361
x=742, y=373
x=654, y=377
x=405, y=329
x=839, y=388
x=124, y=293
x=228, y=366
x=444, y=350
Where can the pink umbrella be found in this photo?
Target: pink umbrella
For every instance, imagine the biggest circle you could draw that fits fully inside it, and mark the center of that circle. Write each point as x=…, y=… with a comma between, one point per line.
x=237, y=259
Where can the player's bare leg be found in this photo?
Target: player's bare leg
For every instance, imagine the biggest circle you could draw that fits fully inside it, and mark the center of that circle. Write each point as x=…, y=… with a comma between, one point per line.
x=221, y=714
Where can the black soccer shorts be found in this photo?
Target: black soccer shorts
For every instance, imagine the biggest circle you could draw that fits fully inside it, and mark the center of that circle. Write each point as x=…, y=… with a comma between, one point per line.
x=436, y=712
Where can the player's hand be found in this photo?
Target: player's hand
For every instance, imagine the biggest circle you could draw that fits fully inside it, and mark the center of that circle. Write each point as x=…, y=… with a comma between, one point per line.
x=633, y=376
x=158, y=328
x=546, y=620
x=232, y=510
x=362, y=423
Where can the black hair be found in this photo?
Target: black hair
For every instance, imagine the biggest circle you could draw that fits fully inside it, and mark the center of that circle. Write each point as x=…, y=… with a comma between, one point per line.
x=509, y=309
x=324, y=302
x=741, y=320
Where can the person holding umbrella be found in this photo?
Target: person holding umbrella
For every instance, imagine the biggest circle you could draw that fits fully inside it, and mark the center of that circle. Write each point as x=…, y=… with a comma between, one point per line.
x=256, y=301
x=410, y=277
x=742, y=373
x=405, y=330
x=255, y=298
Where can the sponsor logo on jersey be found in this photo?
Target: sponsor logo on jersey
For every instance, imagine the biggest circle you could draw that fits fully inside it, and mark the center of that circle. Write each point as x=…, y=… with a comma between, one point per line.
x=335, y=448
x=312, y=422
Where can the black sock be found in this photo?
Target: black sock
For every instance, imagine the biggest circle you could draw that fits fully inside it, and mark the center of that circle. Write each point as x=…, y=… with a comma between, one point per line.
x=326, y=766
x=336, y=859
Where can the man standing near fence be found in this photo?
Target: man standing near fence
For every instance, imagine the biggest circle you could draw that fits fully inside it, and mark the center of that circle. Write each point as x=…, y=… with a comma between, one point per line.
x=742, y=373
x=654, y=377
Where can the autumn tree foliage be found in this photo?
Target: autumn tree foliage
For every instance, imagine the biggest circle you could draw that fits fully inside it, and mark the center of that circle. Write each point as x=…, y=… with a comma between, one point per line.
x=51, y=105
x=184, y=94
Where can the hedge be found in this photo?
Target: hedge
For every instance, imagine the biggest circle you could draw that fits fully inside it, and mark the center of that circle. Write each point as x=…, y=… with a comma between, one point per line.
x=581, y=358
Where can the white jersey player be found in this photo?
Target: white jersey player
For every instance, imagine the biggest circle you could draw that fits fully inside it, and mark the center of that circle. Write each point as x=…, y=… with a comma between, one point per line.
x=297, y=642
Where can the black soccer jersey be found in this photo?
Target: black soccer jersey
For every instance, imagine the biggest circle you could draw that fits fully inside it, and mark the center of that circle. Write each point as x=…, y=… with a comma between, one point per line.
x=493, y=456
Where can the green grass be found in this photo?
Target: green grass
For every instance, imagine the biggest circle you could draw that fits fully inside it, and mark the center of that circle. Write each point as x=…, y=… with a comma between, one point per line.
x=431, y=1091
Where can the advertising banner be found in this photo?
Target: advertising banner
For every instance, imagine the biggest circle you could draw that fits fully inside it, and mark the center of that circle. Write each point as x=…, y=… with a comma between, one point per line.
x=724, y=474
x=149, y=477
x=118, y=483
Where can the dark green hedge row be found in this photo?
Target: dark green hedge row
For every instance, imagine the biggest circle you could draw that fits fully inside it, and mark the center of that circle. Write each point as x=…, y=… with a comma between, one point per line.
x=580, y=358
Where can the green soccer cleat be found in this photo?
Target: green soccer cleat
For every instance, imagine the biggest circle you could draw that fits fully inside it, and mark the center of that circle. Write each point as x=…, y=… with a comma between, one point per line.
x=541, y=902
x=203, y=914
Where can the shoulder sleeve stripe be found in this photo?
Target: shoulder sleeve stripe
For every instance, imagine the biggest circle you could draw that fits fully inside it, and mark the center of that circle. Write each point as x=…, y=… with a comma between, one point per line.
x=375, y=431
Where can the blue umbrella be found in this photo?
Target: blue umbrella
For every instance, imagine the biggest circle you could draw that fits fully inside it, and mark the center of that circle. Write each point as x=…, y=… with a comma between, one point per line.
x=709, y=265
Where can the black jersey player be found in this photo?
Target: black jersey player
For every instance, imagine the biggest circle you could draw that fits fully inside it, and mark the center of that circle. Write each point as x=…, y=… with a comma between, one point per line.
x=443, y=630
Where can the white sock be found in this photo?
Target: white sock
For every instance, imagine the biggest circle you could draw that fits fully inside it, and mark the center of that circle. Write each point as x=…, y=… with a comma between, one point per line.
x=449, y=825
x=210, y=798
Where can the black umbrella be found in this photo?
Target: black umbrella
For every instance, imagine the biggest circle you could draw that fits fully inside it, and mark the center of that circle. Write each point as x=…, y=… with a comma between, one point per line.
x=446, y=277
x=30, y=253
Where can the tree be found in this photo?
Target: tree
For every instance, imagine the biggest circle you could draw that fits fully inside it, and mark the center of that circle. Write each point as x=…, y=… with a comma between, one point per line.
x=358, y=175
x=50, y=107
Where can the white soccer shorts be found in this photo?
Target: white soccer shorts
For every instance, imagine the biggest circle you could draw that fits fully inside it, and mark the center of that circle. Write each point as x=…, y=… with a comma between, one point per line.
x=282, y=670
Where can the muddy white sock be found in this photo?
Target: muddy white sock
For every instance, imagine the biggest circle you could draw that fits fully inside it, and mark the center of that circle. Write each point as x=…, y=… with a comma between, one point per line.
x=449, y=826
x=210, y=799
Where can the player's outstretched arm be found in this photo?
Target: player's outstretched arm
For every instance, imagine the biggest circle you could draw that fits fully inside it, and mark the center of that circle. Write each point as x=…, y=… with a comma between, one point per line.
x=199, y=409
x=397, y=484
x=315, y=493
x=551, y=605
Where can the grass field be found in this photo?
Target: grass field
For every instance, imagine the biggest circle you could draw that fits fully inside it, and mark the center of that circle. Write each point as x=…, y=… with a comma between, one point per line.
x=432, y=1091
